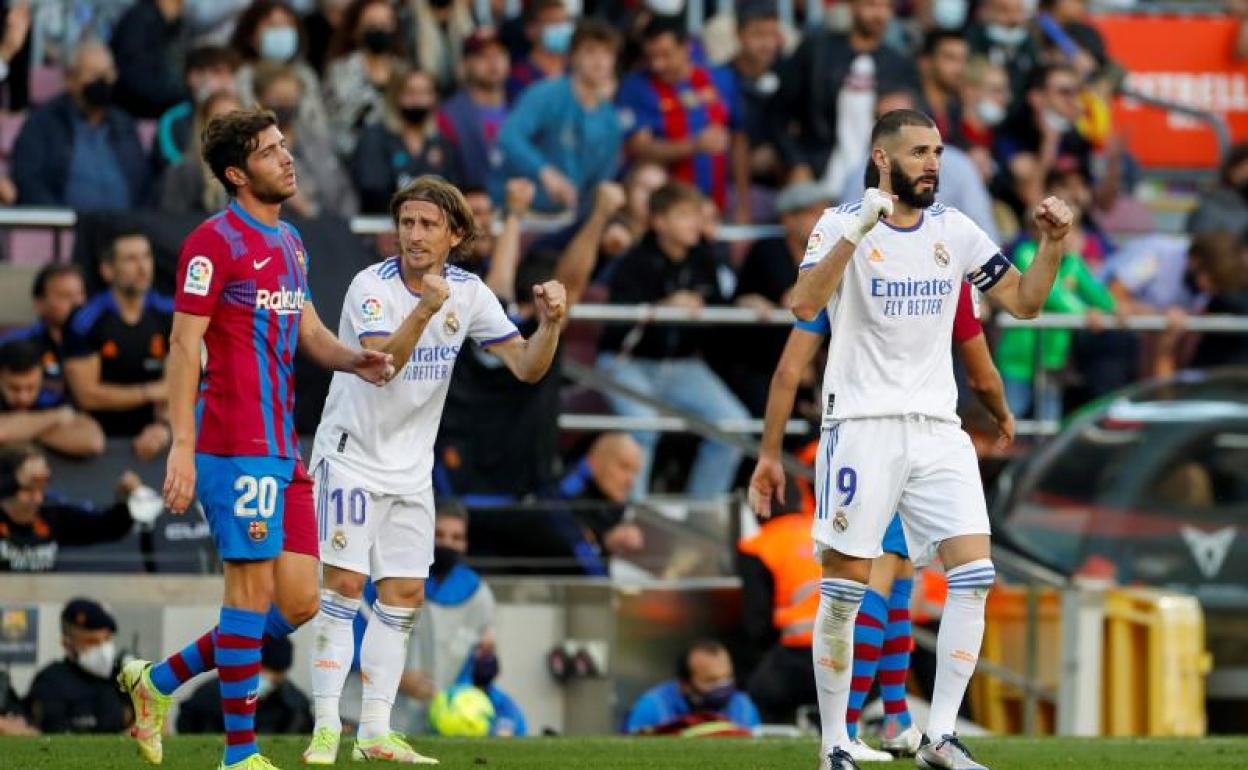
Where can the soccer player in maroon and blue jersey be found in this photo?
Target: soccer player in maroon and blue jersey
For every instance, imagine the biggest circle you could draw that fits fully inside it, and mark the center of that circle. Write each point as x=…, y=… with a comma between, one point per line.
x=243, y=295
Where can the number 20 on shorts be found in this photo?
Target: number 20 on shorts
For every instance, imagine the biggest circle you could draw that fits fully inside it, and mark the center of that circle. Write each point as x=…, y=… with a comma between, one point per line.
x=256, y=496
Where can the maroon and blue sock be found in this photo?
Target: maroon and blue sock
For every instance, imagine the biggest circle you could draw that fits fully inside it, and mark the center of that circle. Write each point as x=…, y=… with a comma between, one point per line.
x=238, y=666
x=200, y=656
x=895, y=661
x=868, y=641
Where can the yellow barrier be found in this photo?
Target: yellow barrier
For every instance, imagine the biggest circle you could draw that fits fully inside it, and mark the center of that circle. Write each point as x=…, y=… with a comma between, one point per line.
x=1153, y=669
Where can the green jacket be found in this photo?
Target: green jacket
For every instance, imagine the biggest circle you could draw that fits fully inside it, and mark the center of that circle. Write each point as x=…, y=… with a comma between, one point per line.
x=1075, y=291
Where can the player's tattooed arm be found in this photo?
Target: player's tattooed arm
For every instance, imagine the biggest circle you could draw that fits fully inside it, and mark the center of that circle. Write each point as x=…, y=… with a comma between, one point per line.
x=434, y=291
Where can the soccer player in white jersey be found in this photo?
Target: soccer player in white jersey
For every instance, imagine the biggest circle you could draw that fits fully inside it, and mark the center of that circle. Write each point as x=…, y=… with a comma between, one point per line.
x=887, y=270
x=372, y=460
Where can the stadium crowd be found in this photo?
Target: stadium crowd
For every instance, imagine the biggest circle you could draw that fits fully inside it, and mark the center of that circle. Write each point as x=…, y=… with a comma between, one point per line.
x=637, y=139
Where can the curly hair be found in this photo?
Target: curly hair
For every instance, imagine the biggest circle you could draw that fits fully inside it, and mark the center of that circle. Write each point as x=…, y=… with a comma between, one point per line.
x=230, y=138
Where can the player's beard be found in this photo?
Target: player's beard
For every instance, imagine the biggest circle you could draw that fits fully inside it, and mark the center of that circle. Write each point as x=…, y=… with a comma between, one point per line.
x=907, y=189
x=271, y=194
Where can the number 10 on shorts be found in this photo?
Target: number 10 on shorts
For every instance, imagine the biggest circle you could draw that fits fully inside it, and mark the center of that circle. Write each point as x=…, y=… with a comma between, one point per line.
x=352, y=506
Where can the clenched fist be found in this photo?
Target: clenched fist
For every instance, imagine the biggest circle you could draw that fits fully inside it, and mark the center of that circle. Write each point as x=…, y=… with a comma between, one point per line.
x=609, y=198
x=518, y=196
x=433, y=293
x=876, y=204
x=1053, y=218
x=552, y=302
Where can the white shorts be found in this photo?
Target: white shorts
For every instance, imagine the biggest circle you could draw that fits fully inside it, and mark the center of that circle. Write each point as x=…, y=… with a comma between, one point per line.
x=383, y=536
x=869, y=468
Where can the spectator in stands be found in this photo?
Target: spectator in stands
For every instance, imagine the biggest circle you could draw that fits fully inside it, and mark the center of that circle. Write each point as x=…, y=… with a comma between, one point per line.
x=324, y=186
x=442, y=30
x=78, y=694
x=606, y=474
x=116, y=345
x=365, y=56
x=12, y=711
x=760, y=41
x=942, y=70
x=1219, y=270
x=1040, y=136
x=405, y=145
x=501, y=438
x=1002, y=35
x=687, y=117
x=149, y=43
x=473, y=118
x=79, y=150
x=456, y=632
x=189, y=186
x=319, y=27
x=34, y=523
x=826, y=101
x=960, y=184
x=703, y=690
x=564, y=133
x=769, y=271
x=269, y=31
x=27, y=414
x=58, y=290
x=16, y=25
x=626, y=229
x=281, y=708
x=549, y=28
x=671, y=266
x=1225, y=207
x=209, y=71
x=1064, y=24
x=985, y=101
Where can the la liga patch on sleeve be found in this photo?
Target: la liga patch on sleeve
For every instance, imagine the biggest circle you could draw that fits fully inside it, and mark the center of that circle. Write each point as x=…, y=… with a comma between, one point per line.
x=198, y=276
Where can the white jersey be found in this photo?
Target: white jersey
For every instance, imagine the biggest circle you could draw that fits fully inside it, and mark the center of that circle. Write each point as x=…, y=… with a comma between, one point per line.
x=384, y=436
x=892, y=316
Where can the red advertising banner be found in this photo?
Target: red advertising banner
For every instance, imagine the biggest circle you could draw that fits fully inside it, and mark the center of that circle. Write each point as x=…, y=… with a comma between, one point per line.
x=1185, y=59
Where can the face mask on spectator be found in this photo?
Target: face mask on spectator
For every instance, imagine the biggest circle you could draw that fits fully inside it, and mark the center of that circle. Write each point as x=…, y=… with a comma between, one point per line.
x=1006, y=36
x=989, y=111
x=714, y=700
x=415, y=116
x=378, y=40
x=484, y=670
x=98, y=93
x=444, y=559
x=279, y=43
x=666, y=7
x=557, y=38
x=1056, y=122
x=98, y=660
x=949, y=14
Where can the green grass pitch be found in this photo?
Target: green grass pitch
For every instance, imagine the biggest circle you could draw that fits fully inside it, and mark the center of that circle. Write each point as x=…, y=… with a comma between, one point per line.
x=203, y=753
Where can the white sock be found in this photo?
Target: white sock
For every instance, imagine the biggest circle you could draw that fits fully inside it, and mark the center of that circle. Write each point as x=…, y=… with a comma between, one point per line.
x=331, y=656
x=957, y=645
x=382, y=657
x=833, y=651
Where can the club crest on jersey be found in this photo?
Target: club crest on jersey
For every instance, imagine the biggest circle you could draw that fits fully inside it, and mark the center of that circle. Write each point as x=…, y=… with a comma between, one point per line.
x=282, y=301
x=371, y=310
x=198, y=276
x=340, y=540
x=303, y=262
x=451, y=324
x=258, y=530
x=941, y=254
x=840, y=522
x=816, y=240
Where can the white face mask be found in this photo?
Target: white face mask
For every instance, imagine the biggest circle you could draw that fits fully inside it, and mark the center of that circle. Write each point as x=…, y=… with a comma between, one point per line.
x=989, y=111
x=265, y=688
x=949, y=14
x=1056, y=122
x=1006, y=36
x=99, y=660
x=666, y=7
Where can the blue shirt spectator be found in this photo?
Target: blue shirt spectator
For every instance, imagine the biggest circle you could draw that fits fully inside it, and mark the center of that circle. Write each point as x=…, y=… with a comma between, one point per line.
x=472, y=119
x=703, y=688
x=1152, y=271
x=78, y=150
x=58, y=291
x=563, y=133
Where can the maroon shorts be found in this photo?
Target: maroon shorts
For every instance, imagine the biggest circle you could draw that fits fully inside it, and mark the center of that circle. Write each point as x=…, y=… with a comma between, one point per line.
x=300, y=516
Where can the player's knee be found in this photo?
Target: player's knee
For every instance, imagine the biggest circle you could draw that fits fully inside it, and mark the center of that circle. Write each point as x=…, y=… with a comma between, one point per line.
x=302, y=609
x=971, y=582
x=402, y=592
x=345, y=583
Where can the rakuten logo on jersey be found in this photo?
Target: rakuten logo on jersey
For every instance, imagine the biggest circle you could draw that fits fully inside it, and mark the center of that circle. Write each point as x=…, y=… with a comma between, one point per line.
x=282, y=301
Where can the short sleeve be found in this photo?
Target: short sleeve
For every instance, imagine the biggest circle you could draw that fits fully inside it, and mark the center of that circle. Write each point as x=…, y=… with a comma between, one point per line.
x=490, y=325
x=369, y=309
x=79, y=336
x=966, y=325
x=817, y=325
x=982, y=260
x=203, y=268
x=827, y=231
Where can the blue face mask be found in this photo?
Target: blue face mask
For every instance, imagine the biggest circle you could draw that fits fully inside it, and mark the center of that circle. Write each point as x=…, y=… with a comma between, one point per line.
x=279, y=44
x=713, y=701
x=557, y=38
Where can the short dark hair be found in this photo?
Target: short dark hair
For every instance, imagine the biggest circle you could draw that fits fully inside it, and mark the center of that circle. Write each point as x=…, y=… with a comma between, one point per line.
x=451, y=508
x=938, y=37
x=535, y=7
x=891, y=123
x=709, y=646
x=671, y=195
x=12, y=458
x=230, y=138
x=1039, y=79
x=756, y=10
x=659, y=26
x=110, y=251
x=20, y=356
x=207, y=57
x=49, y=273
x=447, y=197
x=594, y=31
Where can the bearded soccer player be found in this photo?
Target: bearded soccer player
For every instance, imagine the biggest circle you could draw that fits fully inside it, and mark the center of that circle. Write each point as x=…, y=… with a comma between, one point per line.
x=373, y=456
x=243, y=295
x=887, y=270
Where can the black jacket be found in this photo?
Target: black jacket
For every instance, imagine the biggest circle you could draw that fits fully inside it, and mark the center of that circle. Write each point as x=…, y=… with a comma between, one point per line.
x=33, y=547
x=285, y=711
x=45, y=148
x=149, y=52
x=810, y=82
x=65, y=699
